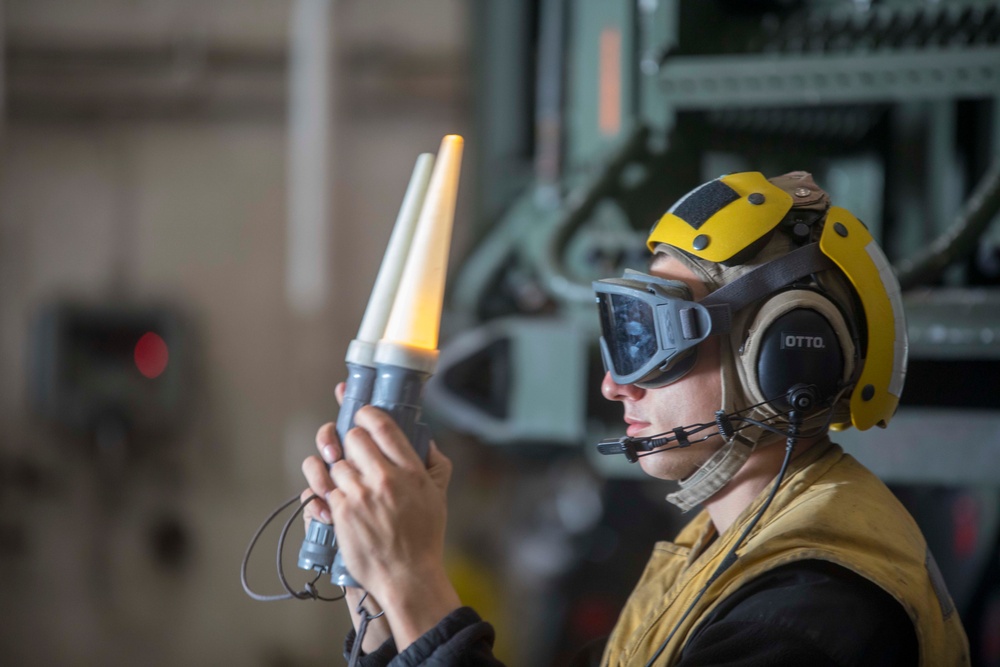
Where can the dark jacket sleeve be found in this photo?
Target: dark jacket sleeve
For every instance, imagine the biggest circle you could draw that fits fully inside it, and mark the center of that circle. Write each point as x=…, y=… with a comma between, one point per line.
x=808, y=613
x=461, y=638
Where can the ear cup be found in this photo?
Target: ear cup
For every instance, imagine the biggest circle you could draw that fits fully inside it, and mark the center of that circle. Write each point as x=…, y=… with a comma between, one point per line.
x=797, y=337
x=799, y=347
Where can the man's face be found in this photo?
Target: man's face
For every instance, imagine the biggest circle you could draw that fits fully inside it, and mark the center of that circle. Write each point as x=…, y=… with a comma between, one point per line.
x=691, y=400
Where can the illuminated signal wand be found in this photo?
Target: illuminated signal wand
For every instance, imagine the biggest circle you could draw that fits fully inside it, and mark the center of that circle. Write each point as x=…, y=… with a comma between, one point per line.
x=318, y=548
x=395, y=351
x=406, y=355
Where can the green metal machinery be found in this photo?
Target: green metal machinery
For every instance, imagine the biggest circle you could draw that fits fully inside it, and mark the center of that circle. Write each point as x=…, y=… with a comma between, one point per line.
x=594, y=115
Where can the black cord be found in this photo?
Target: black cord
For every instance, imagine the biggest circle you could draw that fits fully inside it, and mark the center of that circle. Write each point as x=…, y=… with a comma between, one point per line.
x=731, y=556
x=246, y=556
x=793, y=427
x=309, y=592
x=365, y=617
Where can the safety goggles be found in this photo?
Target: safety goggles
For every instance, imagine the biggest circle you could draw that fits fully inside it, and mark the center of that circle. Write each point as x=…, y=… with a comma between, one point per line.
x=649, y=328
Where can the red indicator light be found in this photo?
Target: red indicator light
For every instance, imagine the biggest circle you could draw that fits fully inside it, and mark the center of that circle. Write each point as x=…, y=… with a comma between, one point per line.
x=151, y=355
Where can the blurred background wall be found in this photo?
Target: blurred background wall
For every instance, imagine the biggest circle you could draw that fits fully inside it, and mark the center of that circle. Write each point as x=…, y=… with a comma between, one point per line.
x=145, y=169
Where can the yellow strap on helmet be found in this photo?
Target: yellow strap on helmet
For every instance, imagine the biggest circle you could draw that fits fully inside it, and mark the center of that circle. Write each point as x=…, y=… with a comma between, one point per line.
x=718, y=220
x=849, y=244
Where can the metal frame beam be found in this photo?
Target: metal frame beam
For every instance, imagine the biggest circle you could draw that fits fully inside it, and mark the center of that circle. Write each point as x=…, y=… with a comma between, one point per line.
x=712, y=82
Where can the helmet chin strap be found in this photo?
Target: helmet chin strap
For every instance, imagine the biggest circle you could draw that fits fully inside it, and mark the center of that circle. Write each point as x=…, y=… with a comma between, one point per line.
x=723, y=465
x=714, y=474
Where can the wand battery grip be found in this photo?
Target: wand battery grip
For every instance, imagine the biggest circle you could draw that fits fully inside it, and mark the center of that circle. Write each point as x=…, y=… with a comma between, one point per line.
x=397, y=391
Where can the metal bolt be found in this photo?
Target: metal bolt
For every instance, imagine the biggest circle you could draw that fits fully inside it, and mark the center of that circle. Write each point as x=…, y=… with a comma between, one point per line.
x=802, y=192
x=700, y=242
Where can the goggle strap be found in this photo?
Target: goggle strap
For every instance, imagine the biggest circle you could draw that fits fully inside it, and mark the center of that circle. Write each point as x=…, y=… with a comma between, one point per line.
x=722, y=317
x=764, y=281
x=720, y=321
x=690, y=327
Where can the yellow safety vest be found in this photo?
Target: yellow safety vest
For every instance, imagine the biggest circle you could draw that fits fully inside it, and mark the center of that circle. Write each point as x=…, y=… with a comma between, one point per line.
x=829, y=507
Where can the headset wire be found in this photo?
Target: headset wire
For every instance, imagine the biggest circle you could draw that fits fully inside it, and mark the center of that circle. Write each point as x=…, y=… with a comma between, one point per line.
x=731, y=556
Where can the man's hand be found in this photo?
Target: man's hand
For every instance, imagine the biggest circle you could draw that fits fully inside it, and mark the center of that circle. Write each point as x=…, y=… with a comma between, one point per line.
x=320, y=483
x=316, y=470
x=389, y=511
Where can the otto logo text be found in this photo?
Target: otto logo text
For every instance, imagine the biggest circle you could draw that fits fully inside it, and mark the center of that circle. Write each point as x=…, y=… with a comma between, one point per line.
x=798, y=341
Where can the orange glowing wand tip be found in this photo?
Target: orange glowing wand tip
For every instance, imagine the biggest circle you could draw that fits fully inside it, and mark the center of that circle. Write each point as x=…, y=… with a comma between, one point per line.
x=411, y=336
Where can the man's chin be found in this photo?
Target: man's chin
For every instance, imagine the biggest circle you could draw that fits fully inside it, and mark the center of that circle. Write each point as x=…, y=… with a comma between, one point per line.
x=666, y=467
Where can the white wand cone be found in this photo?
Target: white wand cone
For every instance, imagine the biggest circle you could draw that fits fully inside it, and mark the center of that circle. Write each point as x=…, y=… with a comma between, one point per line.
x=376, y=317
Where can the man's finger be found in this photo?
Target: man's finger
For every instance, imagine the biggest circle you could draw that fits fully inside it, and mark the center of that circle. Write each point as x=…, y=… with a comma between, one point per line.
x=388, y=437
x=439, y=467
x=328, y=444
x=339, y=391
x=316, y=509
x=317, y=475
x=346, y=478
x=364, y=454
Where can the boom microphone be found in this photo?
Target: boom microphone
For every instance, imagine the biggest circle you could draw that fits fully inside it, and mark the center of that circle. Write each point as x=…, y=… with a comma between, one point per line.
x=623, y=445
x=800, y=397
x=630, y=446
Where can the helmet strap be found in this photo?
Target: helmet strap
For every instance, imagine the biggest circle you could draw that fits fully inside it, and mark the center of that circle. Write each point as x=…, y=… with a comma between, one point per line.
x=712, y=475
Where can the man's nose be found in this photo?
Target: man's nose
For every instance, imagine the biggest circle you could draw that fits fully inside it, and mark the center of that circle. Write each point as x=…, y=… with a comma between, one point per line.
x=619, y=392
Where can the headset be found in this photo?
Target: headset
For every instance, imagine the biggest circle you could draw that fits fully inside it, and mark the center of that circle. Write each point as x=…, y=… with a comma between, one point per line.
x=798, y=337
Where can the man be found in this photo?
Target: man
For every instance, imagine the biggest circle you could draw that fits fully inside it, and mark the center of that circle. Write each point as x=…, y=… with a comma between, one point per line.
x=767, y=316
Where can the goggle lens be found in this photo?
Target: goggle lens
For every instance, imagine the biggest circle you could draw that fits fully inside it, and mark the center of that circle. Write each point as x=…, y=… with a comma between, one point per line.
x=629, y=331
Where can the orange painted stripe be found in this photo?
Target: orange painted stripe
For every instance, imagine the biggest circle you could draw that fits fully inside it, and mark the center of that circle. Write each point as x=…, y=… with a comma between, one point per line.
x=610, y=83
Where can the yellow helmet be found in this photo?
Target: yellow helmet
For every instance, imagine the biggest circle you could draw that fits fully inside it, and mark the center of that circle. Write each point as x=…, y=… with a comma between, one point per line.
x=731, y=220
